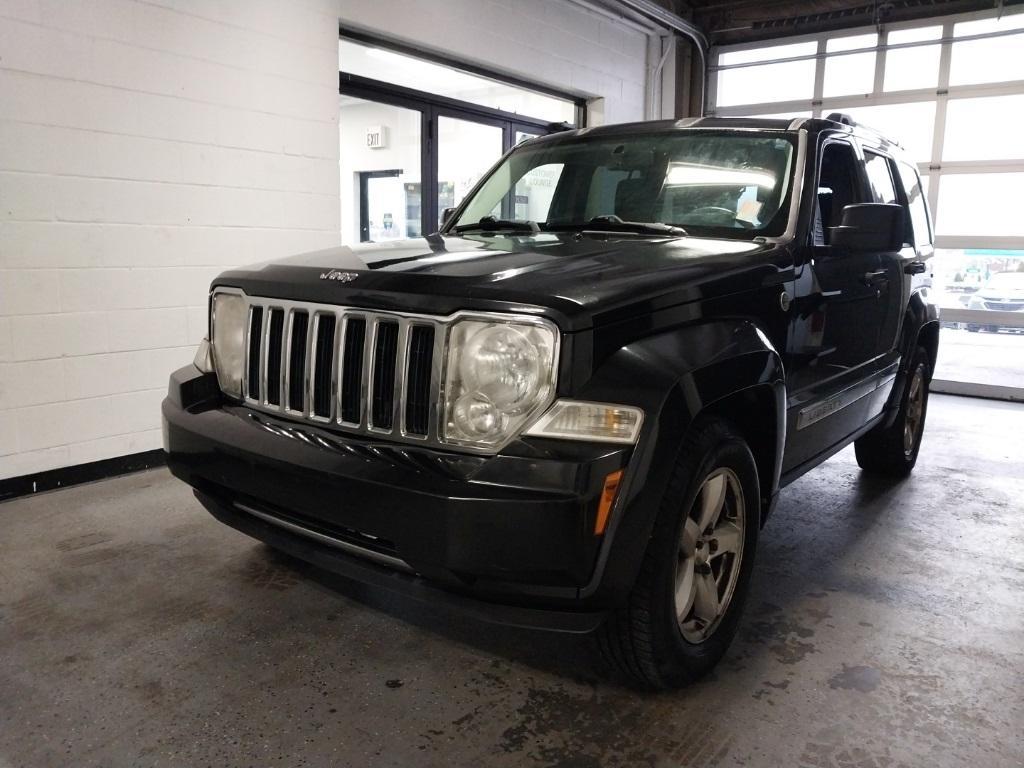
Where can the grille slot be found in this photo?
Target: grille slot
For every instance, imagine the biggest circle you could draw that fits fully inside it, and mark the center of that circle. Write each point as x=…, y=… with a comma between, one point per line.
x=275, y=344
x=352, y=371
x=297, y=361
x=323, y=366
x=385, y=352
x=255, y=345
x=418, y=379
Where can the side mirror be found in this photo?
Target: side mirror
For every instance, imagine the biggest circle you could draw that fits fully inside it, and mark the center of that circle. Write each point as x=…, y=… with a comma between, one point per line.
x=446, y=214
x=869, y=227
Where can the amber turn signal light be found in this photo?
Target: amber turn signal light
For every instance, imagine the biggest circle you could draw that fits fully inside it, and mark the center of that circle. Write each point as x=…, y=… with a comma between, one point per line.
x=611, y=489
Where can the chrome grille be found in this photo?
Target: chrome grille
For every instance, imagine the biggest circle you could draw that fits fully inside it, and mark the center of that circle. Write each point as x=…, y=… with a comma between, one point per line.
x=364, y=371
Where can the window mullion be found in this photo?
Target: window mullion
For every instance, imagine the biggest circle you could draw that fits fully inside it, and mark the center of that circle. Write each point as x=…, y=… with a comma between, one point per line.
x=883, y=41
x=819, y=79
x=939, y=129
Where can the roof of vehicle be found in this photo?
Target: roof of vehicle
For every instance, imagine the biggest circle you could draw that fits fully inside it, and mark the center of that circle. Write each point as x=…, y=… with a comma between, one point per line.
x=835, y=122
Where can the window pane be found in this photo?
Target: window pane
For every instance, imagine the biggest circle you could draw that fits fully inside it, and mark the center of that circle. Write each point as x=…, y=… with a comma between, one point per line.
x=388, y=168
x=994, y=24
x=411, y=72
x=916, y=200
x=915, y=35
x=907, y=68
x=851, y=42
x=966, y=120
x=535, y=190
x=768, y=53
x=993, y=60
x=910, y=125
x=980, y=280
x=980, y=204
x=787, y=81
x=466, y=151
x=882, y=188
x=851, y=73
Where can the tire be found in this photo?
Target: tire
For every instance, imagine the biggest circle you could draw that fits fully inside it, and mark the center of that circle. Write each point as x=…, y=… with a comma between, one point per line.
x=893, y=450
x=973, y=328
x=645, y=638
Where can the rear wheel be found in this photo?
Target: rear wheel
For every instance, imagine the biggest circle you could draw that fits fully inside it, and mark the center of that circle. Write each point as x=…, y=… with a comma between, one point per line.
x=893, y=450
x=684, y=609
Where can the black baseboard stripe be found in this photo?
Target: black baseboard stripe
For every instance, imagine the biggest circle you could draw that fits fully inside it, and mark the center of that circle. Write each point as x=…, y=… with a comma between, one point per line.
x=80, y=473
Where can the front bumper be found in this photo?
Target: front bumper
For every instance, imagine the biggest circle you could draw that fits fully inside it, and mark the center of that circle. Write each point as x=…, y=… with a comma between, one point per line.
x=508, y=537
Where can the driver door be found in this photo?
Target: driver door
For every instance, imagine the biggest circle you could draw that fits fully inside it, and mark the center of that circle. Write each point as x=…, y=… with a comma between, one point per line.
x=837, y=316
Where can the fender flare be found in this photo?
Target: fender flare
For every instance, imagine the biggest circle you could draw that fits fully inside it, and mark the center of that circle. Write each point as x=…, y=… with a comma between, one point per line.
x=920, y=321
x=675, y=377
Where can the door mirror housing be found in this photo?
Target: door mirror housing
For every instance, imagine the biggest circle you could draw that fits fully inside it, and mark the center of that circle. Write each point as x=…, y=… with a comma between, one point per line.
x=446, y=215
x=869, y=227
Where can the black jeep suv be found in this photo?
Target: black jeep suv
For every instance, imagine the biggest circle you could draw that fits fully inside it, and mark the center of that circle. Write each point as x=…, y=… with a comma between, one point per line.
x=575, y=405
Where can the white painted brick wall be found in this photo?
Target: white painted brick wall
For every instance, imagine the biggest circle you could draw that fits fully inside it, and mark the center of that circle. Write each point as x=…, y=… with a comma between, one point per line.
x=146, y=145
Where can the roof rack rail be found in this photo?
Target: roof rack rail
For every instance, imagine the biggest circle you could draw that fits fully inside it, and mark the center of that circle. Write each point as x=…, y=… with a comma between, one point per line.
x=844, y=119
x=841, y=117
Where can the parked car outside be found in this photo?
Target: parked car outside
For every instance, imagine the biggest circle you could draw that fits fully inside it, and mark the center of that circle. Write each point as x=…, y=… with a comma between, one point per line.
x=1004, y=292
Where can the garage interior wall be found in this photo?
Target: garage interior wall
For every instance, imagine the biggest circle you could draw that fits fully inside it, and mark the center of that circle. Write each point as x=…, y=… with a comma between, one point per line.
x=145, y=146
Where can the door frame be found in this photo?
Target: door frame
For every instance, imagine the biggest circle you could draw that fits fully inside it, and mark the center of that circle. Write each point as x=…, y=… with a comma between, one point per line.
x=364, y=198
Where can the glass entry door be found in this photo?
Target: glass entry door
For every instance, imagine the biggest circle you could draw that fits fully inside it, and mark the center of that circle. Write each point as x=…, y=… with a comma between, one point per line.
x=388, y=207
x=466, y=149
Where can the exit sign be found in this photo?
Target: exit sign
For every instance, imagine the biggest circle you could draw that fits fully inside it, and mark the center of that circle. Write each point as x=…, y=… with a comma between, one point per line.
x=377, y=137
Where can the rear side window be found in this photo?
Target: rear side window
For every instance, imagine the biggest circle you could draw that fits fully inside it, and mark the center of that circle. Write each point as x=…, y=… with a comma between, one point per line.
x=883, y=190
x=915, y=202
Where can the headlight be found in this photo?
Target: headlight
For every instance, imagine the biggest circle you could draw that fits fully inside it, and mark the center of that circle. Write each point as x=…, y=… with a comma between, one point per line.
x=976, y=303
x=499, y=375
x=228, y=322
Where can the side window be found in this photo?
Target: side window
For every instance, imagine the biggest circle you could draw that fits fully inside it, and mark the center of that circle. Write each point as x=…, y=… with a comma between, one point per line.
x=838, y=186
x=883, y=190
x=915, y=201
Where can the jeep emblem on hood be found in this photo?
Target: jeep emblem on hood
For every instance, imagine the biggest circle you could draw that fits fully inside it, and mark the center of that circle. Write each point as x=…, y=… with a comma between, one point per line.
x=335, y=274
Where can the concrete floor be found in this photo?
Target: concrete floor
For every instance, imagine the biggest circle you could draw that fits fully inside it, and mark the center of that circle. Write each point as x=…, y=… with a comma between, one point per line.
x=886, y=628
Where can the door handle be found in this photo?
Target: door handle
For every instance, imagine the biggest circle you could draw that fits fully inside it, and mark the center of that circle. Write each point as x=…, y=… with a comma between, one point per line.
x=875, y=277
x=915, y=268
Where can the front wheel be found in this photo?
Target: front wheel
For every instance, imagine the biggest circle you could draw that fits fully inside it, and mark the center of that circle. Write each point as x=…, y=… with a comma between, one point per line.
x=893, y=450
x=684, y=609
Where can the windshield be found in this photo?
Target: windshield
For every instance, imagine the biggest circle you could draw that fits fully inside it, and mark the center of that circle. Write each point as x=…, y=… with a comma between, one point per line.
x=721, y=184
x=1006, y=281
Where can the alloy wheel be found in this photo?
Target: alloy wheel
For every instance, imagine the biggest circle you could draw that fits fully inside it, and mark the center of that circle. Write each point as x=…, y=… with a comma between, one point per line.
x=709, y=556
x=915, y=412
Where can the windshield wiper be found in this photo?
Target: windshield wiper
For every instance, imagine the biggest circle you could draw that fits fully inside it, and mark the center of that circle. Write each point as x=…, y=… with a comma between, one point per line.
x=491, y=224
x=613, y=223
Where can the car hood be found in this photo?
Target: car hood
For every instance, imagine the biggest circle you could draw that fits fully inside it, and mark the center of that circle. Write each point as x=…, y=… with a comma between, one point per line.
x=578, y=280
